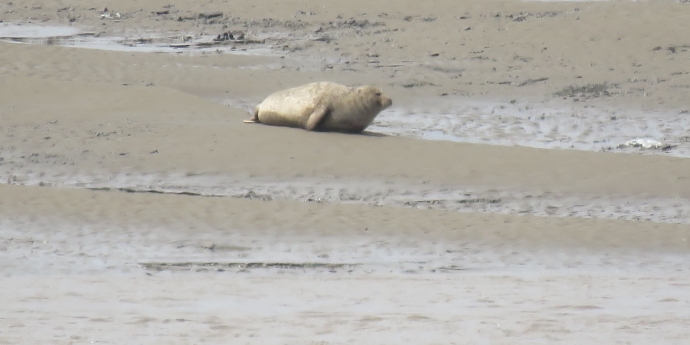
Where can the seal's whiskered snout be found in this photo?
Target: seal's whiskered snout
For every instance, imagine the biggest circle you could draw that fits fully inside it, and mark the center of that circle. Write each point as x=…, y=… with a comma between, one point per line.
x=386, y=102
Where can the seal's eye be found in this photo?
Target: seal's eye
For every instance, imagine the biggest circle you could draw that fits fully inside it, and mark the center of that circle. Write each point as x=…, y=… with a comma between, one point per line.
x=378, y=94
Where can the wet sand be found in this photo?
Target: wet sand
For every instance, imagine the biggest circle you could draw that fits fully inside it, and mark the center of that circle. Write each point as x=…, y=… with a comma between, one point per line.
x=493, y=203
x=110, y=267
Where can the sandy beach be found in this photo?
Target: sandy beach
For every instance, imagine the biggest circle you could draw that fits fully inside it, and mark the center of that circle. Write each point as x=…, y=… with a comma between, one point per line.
x=500, y=200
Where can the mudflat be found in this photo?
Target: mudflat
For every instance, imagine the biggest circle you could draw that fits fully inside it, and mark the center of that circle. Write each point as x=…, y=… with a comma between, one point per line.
x=499, y=200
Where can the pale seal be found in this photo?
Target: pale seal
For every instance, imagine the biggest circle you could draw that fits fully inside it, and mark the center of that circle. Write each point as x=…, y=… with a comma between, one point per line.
x=322, y=106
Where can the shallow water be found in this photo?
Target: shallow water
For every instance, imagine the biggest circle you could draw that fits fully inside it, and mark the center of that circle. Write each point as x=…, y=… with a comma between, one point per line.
x=8, y=31
x=70, y=281
x=77, y=38
x=532, y=125
x=52, y=245
x=221, y=309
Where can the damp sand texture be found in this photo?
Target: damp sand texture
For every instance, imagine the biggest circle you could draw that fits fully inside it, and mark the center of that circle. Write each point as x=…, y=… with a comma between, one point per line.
x=495, y=202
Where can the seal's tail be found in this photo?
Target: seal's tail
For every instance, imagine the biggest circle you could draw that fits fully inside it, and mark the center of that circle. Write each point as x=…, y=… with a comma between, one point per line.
x=255, y=117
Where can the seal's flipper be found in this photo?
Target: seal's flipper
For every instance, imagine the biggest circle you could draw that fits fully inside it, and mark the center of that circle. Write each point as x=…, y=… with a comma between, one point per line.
x=316, y=117
x=255, y=117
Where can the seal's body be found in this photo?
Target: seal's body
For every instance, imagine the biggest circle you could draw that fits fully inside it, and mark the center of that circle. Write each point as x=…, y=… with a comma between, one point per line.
x=322, y=106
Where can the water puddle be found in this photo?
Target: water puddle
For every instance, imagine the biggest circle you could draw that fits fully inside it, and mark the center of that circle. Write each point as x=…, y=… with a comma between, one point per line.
x=73, y=37
x=9, y=31
x=532, y=125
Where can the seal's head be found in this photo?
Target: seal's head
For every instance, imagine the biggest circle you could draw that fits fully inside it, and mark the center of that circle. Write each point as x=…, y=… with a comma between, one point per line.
x=373, y=96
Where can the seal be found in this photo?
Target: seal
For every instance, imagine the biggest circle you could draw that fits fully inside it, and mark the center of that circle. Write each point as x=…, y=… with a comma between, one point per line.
x=322, y=106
